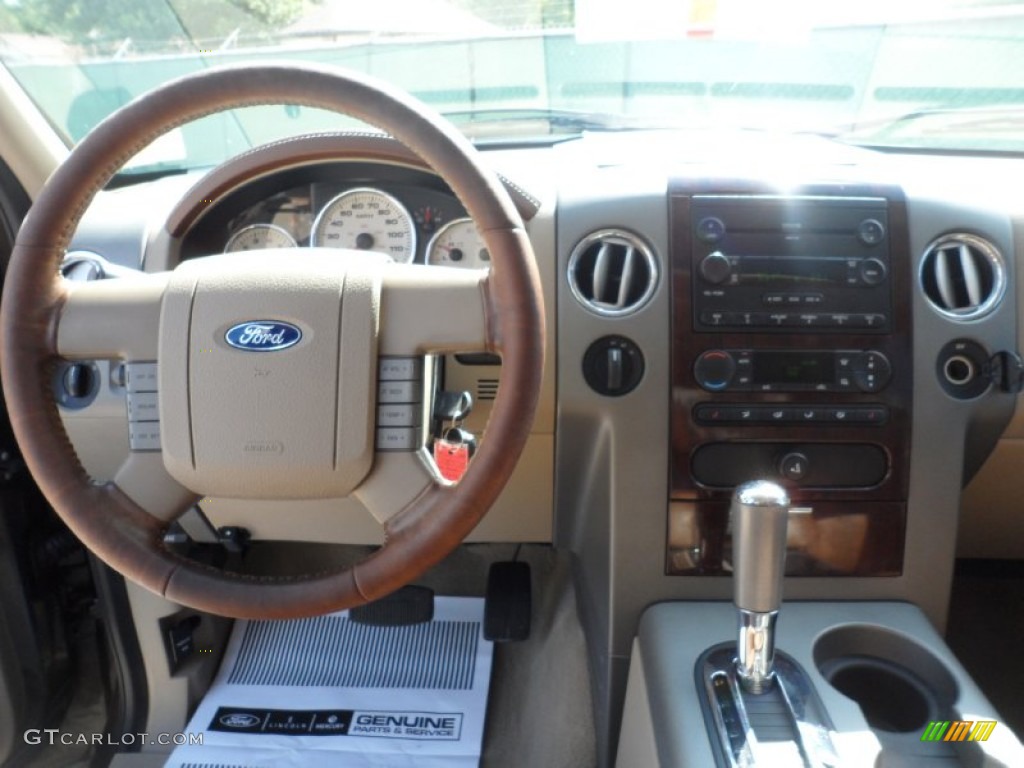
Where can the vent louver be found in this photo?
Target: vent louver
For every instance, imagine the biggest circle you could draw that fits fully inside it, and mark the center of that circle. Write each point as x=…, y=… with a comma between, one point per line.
x=486, y=389
x=963, y=276
x=612, y=272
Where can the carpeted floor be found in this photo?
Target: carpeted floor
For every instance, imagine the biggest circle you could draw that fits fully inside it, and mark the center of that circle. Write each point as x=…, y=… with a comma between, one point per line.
x=986, y=625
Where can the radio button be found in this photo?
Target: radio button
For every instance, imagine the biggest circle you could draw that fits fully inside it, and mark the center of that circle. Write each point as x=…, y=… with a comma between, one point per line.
x=715, y=268
x=778, y=318
x=773, y=299
x=870, y=232
x=872, y=271
x=813, y=298
x=810, y=320
x=875, y=321
x=710, y=229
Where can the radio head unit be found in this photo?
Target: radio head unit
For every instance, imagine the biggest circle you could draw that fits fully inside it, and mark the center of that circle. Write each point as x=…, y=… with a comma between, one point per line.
x=812, y=264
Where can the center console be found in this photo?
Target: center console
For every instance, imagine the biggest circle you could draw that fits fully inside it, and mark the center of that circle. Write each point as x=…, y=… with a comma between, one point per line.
x=791, y=362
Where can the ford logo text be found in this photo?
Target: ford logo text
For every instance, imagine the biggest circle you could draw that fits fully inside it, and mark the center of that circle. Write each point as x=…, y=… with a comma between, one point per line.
x=263, y=336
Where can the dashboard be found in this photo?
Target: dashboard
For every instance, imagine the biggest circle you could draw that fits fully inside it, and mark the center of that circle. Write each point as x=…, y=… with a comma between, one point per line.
x=720, y=307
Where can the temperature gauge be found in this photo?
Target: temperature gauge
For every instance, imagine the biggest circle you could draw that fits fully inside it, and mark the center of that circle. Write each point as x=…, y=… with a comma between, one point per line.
x=458, y=244
x=256, y=237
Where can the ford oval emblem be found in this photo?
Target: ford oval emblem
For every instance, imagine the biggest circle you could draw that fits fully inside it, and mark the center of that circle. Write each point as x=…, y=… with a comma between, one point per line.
x=239, y=720
x=263, y=336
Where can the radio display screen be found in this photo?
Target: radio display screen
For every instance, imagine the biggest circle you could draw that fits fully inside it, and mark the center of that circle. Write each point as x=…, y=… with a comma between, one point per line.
x=795, y=367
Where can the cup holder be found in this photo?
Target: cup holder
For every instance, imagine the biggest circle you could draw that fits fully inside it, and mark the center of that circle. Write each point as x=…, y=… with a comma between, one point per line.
x=899, y=685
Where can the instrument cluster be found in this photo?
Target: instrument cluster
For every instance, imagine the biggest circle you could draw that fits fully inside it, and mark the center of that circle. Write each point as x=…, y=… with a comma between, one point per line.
x=410, y=222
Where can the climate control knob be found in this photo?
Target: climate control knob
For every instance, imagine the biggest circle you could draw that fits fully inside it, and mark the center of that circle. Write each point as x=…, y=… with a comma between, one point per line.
x=714, y=369
x=715, y=267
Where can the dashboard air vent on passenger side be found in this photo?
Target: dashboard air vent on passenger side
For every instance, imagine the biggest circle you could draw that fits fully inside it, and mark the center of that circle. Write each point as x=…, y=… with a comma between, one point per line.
x=612, y=272
x=963, y=276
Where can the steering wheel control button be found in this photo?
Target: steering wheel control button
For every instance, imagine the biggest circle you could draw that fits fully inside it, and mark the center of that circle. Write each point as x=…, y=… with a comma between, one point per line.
x=397, y=439
x=960, y=368
x=793, y=466
x=399, y=409
x=398, y=415
x=143, y=406
x=714, y=369
x=142, y=377
x=400, y=369
x=144, y=435
x=399, y=392
x=613, y=366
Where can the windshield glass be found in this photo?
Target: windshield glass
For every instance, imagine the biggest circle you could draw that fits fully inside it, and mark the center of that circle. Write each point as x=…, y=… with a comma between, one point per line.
x=937, y=74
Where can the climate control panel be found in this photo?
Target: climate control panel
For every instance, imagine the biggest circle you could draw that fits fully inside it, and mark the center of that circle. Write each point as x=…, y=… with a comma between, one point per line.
x=776, y=370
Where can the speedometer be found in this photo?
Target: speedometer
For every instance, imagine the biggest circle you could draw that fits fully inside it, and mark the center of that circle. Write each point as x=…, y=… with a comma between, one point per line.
x=368, y=220
x=256, y=237
x=458, y=244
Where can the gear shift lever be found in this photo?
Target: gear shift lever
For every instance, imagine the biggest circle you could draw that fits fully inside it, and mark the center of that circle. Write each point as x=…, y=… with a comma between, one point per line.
x=759, y=514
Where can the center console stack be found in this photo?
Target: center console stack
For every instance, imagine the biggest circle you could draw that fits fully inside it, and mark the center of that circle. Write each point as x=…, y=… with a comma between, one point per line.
x=791, y=363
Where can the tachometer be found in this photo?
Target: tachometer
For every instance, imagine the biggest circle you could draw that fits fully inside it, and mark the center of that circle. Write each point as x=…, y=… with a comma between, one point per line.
x=368, y=220
x=458, y=244
x=256, y=237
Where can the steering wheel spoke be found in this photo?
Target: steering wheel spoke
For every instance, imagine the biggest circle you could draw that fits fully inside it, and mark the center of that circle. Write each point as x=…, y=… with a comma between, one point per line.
x=430, y=309
x=143, y=478
x=111, y=319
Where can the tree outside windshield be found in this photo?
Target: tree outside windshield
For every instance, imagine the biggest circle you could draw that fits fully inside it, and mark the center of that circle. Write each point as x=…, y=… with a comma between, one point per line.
x=922, y=73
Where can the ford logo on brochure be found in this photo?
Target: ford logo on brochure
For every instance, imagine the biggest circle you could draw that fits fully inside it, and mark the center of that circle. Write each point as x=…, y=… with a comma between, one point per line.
x=239, y=720
x=263, y=336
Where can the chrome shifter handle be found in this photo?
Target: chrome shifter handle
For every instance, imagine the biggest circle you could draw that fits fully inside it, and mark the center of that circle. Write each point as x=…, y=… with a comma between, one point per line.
x=759, y=514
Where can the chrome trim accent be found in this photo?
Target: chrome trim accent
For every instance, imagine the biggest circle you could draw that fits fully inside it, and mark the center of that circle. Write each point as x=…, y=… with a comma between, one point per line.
x=728, y=705
x=958, y=247
x=635, y=247
x=755, y=649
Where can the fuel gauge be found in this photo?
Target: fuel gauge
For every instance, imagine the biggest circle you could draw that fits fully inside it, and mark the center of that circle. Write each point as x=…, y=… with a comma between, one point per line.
x=458, y=244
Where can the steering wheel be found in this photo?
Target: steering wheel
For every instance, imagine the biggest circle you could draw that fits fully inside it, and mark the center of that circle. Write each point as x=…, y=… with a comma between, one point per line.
x=285, y=410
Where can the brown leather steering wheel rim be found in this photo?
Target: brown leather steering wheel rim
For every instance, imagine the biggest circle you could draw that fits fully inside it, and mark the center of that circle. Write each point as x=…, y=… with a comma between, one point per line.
x=120, y=532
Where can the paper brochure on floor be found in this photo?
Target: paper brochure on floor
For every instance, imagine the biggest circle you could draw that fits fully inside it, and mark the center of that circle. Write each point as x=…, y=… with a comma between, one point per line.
x=327, y=691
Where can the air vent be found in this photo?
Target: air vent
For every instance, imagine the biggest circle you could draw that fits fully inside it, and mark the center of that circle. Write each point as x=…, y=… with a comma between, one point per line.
x=612, y=272
x=963, y=276
x=486, y=389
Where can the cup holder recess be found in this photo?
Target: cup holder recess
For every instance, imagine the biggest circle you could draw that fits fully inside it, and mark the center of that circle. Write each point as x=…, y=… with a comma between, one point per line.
x=899, y=684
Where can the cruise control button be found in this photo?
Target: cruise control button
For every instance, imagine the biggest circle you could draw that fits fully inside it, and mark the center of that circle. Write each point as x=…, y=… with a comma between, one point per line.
x=141, y=377
x=143, y=406
x=144, y=435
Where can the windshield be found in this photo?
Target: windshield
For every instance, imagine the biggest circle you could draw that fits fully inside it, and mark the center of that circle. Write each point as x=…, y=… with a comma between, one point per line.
x=934, y=74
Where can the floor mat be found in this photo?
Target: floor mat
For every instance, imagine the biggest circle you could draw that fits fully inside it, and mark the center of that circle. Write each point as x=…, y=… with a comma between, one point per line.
x=327, y=691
